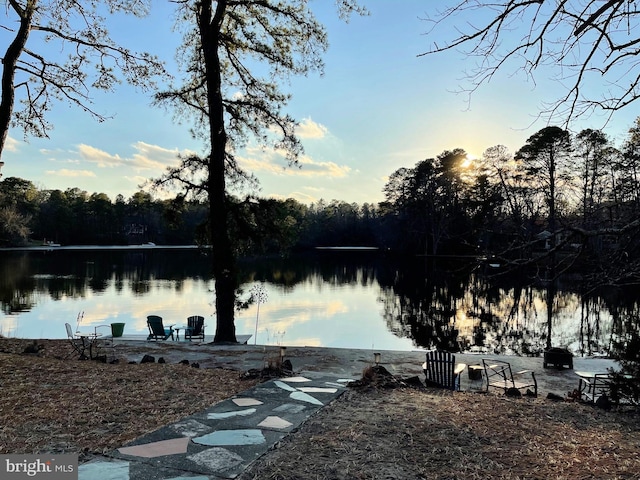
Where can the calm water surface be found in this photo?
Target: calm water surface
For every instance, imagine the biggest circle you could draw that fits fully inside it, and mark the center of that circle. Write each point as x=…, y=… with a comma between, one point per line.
x=43, y=290
x=348, y=299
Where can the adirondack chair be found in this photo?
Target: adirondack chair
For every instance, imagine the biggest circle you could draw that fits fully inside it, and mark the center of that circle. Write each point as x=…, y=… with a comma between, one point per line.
x=195, y=327
x=499, y=375
x=441, y=370
x=157, y=330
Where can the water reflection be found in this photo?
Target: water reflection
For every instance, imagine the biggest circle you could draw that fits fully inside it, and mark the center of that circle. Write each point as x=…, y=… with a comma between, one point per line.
x=358, y=300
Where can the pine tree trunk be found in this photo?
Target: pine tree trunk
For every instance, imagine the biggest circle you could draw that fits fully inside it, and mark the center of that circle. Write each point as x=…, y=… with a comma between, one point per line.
x=224, y=268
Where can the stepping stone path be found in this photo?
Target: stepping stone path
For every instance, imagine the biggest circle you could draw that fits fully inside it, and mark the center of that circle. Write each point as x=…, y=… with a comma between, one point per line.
x=221, y=441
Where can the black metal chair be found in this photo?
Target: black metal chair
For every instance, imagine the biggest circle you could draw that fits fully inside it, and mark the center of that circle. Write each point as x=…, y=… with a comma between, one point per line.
x=500, y=375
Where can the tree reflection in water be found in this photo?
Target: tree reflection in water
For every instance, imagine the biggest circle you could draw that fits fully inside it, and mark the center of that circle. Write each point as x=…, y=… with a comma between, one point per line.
x=458, y=305
x=444, y=303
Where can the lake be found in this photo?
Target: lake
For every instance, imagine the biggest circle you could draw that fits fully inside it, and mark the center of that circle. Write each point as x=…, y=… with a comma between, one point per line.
x=352, y=299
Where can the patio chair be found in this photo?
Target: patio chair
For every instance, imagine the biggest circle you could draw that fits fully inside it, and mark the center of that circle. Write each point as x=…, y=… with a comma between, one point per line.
x=77, y=344
x=195, y=327
x=594, y=385
x=499, y=375
x=157, y=330
x=441, y=370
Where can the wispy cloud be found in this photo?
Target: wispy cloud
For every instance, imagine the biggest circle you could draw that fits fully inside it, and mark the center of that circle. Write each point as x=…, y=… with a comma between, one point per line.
x=299, y=196
x=99, y=157
x=65, y=172
x=273, y=162
x=310, y=129
x=145, y=157
x=309, y=167
x=11, y=145
x=153, y=156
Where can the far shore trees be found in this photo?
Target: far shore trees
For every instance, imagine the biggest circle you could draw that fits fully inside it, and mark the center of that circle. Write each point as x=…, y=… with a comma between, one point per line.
x=545, y=157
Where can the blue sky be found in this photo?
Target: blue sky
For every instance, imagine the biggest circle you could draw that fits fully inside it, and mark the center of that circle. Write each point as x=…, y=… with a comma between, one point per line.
x=377, y=108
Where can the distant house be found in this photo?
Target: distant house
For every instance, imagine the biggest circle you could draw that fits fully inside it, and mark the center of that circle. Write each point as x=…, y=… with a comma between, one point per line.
x=136, y=233
x=136, y=229
x=545, y=236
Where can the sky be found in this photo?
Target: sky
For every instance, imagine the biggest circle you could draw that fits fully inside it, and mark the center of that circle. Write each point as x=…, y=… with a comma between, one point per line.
x=378, y=107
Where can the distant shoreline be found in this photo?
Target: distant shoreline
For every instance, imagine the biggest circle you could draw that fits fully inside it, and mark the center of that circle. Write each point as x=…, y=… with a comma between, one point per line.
x=49, y=248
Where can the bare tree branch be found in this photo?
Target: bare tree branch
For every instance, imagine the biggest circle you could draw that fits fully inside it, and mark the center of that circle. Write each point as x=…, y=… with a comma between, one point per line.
x=94, y=60
x=585, y=42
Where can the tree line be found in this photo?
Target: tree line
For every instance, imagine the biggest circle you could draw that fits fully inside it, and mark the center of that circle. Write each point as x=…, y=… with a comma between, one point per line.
x=559, y=192
x=33, y=216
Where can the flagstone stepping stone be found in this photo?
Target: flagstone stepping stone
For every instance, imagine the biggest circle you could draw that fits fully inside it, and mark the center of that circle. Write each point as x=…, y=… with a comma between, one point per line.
x=274, y=422
x=104, y=471
x=335, y=384
x=261, y=391
x=246, y=402
x=290, y=408
x=284, y=386
x=191, y=428
x=231, y=437
x=318, y=390
x=216, y=459
x=157, y=449
x=199, y=477
x=305, y=397
x=238, y=413
x=295, y=379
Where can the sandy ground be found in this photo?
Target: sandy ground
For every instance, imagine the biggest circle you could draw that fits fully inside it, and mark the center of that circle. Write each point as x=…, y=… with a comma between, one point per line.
x=349, y=363
x=52, y=402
